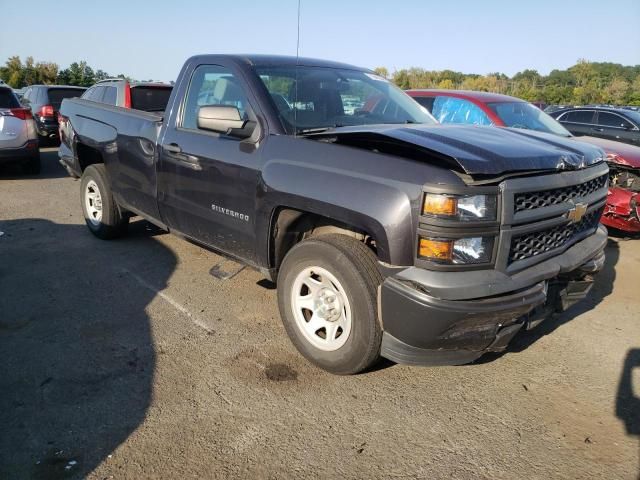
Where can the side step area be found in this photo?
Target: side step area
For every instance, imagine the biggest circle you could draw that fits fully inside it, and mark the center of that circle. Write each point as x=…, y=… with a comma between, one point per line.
x=226, y=269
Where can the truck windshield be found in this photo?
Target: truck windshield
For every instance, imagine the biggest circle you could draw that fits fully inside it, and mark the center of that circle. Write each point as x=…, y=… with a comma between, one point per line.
x=310, y=98
x=530, y=117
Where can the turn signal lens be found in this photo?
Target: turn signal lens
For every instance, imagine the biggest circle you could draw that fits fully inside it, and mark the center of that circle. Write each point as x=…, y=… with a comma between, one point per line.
x=439, y=205
x=439, y=250
x=466, y=208
x=461, y=251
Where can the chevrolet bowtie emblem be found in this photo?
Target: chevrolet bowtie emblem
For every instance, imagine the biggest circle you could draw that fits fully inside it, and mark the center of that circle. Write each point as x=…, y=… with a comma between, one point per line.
x=577, y=212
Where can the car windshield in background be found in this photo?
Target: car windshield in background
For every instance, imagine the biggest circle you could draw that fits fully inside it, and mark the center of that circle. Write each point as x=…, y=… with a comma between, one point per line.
x=56, y=95
x=150, y=99
x=527, y=116
x=633, y=115
x=311, y=98
x=8, y=99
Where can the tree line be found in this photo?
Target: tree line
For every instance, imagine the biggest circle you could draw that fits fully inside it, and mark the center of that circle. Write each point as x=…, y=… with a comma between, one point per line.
x=18, y=74
x=583, y=83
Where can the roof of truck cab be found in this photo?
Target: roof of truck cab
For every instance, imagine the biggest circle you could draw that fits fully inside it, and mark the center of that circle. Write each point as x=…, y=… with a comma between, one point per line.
x=276, y=60
x=484, y=97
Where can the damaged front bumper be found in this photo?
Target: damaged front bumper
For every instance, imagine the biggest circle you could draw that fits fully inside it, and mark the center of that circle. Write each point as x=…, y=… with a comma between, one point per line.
x=452, y=318
x=622, y=211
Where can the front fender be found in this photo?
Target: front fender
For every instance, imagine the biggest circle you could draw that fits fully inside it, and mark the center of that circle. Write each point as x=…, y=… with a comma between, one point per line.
x=380, y=210
x=373, y=192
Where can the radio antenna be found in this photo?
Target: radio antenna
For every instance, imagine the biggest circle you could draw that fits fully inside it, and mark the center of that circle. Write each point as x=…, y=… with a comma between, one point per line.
x=295, y=102
x=298, y=39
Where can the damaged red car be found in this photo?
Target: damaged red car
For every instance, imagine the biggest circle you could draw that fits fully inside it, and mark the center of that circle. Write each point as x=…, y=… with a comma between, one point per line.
x=622, y=211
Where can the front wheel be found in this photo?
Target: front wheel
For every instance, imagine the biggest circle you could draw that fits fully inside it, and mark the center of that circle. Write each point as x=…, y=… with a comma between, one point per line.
x=327, y=294
x=101, y=213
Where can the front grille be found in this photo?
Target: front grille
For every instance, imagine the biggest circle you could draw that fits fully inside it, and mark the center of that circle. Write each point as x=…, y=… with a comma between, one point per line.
x=546, y=198
x=535, y=243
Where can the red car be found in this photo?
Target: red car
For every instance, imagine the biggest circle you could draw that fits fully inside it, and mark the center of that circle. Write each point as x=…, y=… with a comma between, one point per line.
x=481, y=108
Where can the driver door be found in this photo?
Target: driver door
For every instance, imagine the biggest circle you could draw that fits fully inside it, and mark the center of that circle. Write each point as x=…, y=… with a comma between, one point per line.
x=208, y=181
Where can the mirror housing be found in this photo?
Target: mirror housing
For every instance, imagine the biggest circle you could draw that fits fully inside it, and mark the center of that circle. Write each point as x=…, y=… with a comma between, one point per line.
x=223, y=119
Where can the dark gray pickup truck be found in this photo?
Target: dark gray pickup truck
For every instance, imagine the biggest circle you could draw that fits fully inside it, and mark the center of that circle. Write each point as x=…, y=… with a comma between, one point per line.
x=387, y=233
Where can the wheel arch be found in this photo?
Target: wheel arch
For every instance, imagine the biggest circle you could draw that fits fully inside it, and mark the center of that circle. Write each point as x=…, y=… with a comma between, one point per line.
x=379, y=208
x=288, y=226
x=87, y=155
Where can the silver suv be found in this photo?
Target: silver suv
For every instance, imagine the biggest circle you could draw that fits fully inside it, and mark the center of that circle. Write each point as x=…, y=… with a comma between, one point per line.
x=18, y=136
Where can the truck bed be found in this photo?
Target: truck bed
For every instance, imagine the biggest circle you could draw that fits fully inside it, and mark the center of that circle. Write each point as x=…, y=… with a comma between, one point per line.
x=127, y=141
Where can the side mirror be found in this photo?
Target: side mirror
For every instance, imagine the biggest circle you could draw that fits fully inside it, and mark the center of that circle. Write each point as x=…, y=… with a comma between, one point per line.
x=223, y=119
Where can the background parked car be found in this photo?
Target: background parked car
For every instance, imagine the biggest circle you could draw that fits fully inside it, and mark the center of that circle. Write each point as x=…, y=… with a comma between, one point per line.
x=481, y=108
x=554, y=108
x=619, y=124
x=146, y=96
x=19, y=92
x=44, y=102
x=18, y=137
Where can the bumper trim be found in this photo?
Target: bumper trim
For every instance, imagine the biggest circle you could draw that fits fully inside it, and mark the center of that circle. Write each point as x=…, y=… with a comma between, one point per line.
x=27, y=150
x=400, y=352
x=422, y=329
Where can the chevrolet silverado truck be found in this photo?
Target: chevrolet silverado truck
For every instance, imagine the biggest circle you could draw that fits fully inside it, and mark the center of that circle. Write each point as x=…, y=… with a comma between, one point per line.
x=387, y=234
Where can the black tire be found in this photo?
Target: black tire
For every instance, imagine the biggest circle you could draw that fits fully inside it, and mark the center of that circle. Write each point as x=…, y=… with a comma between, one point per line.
x=33, y=165
x=354, y=266
x=113, y=222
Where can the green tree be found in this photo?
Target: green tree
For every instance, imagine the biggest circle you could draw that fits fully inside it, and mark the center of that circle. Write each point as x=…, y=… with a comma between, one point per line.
x=100, y=75
x=13, y=72
x=47, y=72
x=382, y=71
x=446, y=84
x=616, y=92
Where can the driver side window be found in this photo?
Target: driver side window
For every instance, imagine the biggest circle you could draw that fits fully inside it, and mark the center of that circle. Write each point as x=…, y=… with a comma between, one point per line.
x=211, y=85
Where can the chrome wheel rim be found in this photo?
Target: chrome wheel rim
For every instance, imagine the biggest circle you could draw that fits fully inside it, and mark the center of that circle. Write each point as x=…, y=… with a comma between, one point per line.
x=93, y=202
x=321, y=308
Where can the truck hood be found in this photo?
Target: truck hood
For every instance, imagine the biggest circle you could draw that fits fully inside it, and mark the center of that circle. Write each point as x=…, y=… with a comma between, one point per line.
x=470, y=149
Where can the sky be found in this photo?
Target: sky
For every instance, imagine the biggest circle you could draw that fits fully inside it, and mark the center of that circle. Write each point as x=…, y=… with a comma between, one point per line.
x=151, y=40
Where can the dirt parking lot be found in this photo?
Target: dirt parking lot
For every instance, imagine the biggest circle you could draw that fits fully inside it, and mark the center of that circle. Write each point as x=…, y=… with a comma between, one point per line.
x=126, y=359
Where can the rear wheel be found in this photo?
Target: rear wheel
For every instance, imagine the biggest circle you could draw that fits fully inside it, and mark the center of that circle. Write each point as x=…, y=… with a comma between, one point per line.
x=102, y=214
x=327, y=294
x=33, y=165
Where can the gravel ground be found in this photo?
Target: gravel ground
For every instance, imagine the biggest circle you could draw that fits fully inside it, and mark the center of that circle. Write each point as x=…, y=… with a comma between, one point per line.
x=126, y=359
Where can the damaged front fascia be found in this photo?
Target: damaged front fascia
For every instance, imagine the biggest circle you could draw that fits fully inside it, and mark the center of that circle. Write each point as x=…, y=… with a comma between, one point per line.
x=622, y=211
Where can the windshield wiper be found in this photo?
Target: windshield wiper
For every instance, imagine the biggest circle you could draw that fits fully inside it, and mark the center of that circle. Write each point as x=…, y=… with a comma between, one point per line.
x=306, y=131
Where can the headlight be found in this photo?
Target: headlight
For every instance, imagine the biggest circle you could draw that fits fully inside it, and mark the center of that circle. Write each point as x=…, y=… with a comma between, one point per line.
x=462, y=251
x=461, y=207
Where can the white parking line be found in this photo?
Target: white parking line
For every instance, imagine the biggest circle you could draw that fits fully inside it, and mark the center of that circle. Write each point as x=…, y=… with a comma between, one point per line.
x=197, y=321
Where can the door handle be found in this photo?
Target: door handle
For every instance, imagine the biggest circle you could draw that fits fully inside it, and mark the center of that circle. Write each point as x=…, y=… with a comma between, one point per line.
x=598, y=129
x=172, y=148
x=190, y=160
